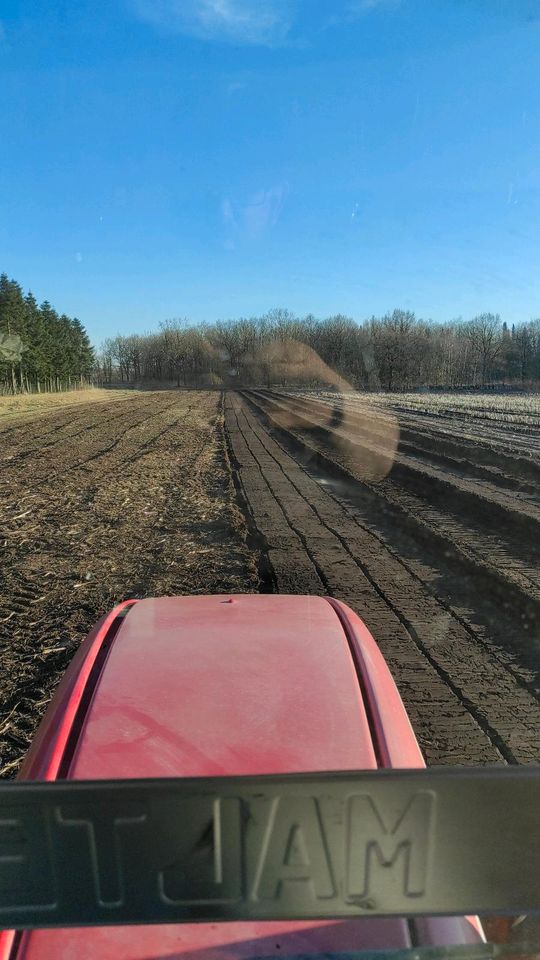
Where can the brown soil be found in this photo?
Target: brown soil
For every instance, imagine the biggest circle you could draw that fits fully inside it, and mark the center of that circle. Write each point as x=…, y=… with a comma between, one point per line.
x=428, y=529
x=107, y=500
x=431, y=536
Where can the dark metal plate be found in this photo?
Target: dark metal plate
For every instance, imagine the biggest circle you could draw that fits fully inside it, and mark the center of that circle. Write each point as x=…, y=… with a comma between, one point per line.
x=404, y=843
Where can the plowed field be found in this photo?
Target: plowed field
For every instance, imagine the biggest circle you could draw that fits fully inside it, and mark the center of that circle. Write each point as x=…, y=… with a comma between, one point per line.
x=426, y=523
x=127, y=497
x=429, y=527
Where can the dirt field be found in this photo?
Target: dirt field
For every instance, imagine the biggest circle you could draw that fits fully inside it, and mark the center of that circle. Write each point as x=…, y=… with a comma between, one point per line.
x=425, y=519
x=28, y=405
x=428, y=525
x=126, y=496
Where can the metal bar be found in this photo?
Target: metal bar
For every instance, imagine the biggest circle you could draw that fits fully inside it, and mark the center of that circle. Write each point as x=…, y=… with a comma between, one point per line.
x=381, y=843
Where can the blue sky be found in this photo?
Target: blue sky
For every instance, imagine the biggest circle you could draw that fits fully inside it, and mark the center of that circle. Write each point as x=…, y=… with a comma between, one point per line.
x=212, y=158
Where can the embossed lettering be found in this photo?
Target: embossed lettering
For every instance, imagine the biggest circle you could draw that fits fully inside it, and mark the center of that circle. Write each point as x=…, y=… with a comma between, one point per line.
x=388, y=846
x=294, y=858
x=205, y=851
x=102, y=827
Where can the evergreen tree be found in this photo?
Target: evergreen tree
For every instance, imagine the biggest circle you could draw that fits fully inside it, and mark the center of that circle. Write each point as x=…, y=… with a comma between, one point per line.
x=84, y=351
x=54, y=349
x=12, y=315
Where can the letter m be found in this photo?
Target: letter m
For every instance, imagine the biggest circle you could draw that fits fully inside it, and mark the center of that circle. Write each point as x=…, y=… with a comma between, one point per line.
x=388, y=847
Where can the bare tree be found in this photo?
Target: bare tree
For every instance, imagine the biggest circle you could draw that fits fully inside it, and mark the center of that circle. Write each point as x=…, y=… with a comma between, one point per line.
x=484, y=335
x=235, y=341
x=396, y=352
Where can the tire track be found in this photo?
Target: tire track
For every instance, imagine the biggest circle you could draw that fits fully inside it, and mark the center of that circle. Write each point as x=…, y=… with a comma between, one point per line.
x=402, y=589
x=503, y=543
x=436, y=659
x=484, y=597
x=496, y=506
x=463, y=457
x=511, y=436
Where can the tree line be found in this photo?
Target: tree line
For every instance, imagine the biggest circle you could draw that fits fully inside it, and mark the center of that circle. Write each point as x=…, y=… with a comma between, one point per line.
x=40, y=349
x=397, y=351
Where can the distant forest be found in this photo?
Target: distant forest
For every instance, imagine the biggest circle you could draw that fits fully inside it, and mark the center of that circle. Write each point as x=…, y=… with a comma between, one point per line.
x=40, y=349
x=398, y=351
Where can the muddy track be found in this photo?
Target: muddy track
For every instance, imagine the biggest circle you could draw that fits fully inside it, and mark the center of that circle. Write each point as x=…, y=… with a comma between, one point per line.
x=497, y=531
x=472, y=694
x=457, y=453
x=497, y=580
x=512, y=436
x=498, y=503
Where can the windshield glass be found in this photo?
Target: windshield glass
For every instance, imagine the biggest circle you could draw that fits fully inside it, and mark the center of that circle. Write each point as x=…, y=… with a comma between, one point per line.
x=270, y=329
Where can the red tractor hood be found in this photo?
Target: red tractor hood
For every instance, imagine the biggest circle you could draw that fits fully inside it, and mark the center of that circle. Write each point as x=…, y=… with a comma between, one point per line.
x=213, y=686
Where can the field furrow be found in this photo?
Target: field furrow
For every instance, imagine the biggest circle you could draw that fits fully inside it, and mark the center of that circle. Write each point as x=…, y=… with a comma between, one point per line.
x=139, y=503
x=429, y=533
x=470, y=682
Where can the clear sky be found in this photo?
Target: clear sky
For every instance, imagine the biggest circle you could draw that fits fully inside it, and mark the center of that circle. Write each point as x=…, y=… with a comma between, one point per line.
x=216, y=158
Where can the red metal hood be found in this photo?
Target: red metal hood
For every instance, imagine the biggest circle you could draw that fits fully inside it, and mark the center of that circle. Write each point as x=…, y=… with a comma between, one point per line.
x=202, y=686
x=208, y=686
